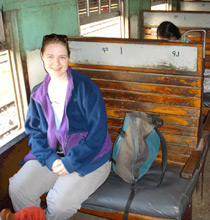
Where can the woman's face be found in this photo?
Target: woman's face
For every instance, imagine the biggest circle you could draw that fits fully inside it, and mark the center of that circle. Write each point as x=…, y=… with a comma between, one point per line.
x=55, y=58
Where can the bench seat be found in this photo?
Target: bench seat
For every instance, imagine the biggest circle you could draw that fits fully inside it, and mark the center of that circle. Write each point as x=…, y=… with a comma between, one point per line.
x=174, y=194
x=206, y=99
x=206, y=103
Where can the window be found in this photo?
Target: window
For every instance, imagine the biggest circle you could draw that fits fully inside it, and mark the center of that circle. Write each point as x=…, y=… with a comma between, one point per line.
x=162, y=5
x=96, y=10
x=13, y=102
x=8, y=111
x=101, y=18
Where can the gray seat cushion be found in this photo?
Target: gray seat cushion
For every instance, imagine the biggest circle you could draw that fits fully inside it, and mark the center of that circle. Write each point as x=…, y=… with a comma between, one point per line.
x=206, y=99
x=167, y=201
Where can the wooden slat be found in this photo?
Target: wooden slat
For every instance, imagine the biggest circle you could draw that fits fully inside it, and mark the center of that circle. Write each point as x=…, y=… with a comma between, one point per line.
x=156, y=89
x=155, y=98
x=180, y=159
x=187, y=141
x=182, y=140
x=168, y=119
x=143, y=76
x=173, y=129
x=188, y=131
x=179, y=149
x=167, y=129
x=152, y=107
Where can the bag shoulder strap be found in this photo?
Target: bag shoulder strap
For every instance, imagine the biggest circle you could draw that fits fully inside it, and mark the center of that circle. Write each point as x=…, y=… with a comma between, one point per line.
x=164, y=154
x=130, y=199
x=158, y=122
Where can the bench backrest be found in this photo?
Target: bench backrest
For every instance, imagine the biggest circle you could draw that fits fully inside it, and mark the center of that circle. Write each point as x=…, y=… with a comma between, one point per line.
x=185, y=21
x=195, y=6
x=159, y=78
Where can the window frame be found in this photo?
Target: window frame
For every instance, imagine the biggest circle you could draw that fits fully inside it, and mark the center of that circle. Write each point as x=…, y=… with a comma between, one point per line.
x=14, y=56
x=92, y=11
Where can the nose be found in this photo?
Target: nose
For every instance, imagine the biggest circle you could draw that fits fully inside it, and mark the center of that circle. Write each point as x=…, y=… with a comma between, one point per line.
x=56, y=61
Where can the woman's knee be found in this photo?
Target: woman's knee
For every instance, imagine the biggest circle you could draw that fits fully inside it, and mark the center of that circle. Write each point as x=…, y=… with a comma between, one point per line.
x=21, y=187
x=60, y=207
x=15, y=186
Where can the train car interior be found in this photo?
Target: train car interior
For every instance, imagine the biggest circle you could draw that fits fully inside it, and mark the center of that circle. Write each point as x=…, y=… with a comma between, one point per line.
x=115, y=44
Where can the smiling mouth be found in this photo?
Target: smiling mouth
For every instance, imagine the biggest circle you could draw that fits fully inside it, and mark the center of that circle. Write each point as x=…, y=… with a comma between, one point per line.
x=57, y=69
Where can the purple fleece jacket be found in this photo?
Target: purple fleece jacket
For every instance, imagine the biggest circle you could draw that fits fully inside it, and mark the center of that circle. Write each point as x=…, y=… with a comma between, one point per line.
x=83, y=132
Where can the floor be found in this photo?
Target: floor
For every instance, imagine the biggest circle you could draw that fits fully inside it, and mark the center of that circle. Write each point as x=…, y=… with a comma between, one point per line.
x=201, y=210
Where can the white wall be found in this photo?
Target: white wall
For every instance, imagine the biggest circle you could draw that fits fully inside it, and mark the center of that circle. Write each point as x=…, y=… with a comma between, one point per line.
x=36, y=70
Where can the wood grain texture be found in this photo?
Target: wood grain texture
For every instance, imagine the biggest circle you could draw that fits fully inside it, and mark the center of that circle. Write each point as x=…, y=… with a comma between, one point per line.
x=174, y=96
x=179, y=104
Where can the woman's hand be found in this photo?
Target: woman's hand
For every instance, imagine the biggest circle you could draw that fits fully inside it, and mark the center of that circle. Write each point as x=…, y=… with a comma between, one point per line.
x=59, y=168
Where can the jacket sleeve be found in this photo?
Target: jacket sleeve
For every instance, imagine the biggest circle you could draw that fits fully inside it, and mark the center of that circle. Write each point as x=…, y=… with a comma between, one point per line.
x=92, y=104
x=36, y=130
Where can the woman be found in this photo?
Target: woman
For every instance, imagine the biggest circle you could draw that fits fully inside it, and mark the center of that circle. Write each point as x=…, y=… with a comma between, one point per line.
x=67, y=129
x=168, y=31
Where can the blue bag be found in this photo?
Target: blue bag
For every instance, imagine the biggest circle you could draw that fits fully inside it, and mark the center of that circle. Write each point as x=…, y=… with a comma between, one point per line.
x=136, y=148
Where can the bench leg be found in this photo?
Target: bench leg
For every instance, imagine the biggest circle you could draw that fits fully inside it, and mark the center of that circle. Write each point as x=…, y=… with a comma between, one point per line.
x=188, y=213
x=199, y=189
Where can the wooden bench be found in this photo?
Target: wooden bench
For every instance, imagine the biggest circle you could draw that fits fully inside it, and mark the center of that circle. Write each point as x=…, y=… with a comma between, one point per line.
x=185, y=21
x=159, y=79
x=195, y=6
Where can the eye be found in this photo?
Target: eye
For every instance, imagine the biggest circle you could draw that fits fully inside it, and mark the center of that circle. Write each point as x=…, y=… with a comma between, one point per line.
x=50, y=56
x=63, y=57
